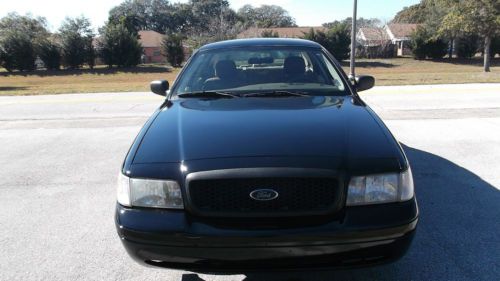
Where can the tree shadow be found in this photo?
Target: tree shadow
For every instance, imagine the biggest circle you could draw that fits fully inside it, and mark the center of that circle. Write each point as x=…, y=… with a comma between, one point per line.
x=373, y=64
x=95, y=71
x=457, y=236
x=12, y=88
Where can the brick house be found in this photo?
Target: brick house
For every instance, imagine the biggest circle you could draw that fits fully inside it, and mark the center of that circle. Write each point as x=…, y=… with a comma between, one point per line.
x=151, y=42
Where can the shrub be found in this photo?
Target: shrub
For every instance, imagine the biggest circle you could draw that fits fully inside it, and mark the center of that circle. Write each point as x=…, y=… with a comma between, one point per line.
x=423, y=45
x=436, y=48
x=50, y=54
x=172, y=46
x=118, y=46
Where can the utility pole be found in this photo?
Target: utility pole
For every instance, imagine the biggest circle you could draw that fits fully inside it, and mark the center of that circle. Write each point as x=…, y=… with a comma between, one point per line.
x=352, y=72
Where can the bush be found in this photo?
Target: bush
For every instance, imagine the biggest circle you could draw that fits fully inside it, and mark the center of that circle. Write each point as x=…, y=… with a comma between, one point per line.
x=423, y=45
x=436, y=48
x=17, y=51
x=172, y=46
x=118, y=46
x=50, y=54
x=467, y=46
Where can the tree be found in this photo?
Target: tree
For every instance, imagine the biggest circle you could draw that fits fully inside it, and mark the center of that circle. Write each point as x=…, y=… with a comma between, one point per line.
x=266, y=16
x=413, y=14
x=118, y=46
x=34, y=27
x=481, y=17
x=76, y=38
x=19, y=36
x=50, y=54
x=173, y=49
x=138, y=15
x=336, y=40
x=360, y=22
x=17, y=51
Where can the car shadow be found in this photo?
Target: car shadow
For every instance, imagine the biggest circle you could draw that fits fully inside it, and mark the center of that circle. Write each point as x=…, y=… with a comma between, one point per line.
x=457, y=236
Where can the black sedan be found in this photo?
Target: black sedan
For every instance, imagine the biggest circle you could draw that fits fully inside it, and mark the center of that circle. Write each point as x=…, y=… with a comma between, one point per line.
x=264, y=157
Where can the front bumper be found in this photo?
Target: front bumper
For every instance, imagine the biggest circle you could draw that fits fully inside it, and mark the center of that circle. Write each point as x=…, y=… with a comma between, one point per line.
x=363, y=236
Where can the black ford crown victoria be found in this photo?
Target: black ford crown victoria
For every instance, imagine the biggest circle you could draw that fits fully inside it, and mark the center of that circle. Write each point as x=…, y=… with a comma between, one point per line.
x=263, y=157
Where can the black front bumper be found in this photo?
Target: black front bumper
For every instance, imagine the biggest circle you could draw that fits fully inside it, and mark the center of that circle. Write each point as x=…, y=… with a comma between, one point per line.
x=363, y=236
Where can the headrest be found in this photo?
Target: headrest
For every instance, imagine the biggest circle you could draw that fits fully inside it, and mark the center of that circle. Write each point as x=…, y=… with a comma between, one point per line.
x=294, y=65
x=225, y=69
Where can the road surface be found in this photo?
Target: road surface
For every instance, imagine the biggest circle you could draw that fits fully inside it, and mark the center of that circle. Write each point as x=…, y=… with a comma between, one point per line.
x=60, y=156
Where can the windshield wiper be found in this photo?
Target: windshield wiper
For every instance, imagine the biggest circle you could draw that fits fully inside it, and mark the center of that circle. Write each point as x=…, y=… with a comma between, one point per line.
x=207, y=94
x=277, y=94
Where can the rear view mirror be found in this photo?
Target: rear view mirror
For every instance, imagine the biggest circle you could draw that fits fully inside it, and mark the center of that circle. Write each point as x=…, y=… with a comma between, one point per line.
x=159, y=87
x=364, y=82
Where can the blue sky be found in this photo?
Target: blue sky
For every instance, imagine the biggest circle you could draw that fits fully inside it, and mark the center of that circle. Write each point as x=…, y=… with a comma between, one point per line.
x=306, y=12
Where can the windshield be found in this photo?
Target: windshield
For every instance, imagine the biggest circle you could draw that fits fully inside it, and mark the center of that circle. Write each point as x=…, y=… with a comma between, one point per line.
x=261, y=69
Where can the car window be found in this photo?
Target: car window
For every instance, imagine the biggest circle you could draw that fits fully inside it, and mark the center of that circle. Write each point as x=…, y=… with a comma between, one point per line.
x=254, y=69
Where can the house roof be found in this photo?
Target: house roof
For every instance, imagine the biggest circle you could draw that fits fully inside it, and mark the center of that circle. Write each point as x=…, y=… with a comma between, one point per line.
x=401, y=30
x=373, y=34
x=150, y=38
x=251, y=42
x=284, y=32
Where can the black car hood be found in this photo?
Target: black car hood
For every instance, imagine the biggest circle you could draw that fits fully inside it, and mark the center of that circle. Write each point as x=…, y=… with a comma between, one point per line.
x=196, y=129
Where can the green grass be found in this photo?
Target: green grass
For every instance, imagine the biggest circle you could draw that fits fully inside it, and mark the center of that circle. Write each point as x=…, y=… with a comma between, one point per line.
x=399, y=71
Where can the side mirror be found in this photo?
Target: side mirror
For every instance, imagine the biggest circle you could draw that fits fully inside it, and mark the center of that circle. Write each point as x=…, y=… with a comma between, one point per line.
x=364, y=82
x=159, y=87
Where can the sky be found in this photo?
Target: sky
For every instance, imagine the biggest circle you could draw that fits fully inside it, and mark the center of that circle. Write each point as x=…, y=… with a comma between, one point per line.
x=306, y=12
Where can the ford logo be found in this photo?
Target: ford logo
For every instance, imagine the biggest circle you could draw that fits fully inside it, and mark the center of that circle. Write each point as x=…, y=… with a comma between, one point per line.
x=264, y=194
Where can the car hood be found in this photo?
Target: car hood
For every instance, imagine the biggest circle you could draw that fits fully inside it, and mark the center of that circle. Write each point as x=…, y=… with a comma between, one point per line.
x=195, y=129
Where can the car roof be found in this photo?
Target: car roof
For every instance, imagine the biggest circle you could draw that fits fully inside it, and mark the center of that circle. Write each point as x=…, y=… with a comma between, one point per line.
x=261, y=42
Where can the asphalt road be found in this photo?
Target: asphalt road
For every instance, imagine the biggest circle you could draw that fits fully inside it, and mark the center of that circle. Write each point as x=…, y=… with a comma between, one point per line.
x=60, y=155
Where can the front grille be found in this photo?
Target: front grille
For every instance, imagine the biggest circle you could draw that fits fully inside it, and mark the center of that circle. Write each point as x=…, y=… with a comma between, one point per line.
x=232, y=196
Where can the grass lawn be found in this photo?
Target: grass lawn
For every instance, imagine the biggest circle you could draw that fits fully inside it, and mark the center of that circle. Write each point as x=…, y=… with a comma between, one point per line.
x=399, y=71
x=83, y=81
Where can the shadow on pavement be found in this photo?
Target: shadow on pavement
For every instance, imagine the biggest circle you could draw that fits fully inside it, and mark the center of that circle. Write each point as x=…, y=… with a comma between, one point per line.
x=457, y=236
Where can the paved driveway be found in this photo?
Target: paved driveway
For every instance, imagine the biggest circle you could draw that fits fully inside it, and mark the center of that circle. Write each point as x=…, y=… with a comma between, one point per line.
x=59, y=157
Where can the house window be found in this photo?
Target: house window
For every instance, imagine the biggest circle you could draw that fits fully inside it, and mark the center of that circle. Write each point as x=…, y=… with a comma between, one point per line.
x=156, y=53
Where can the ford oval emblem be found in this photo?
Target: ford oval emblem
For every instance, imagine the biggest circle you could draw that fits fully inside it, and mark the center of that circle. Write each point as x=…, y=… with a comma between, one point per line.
x=264, y=194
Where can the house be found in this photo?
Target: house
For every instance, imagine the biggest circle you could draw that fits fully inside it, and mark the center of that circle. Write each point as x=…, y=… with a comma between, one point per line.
x=283, y=32
x=151, y=42
x=374, y=42
x=400, y=36
x=372, y=37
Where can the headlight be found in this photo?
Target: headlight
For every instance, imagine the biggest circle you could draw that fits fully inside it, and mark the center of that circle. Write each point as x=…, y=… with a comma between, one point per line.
x=149, y=193
x=382, y=188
